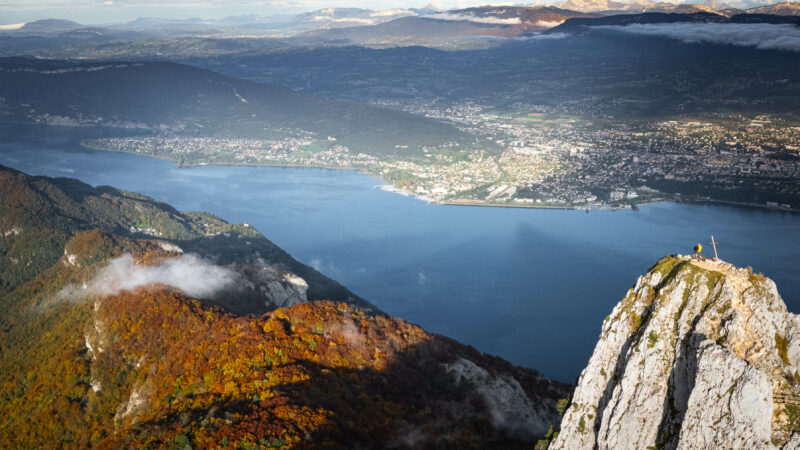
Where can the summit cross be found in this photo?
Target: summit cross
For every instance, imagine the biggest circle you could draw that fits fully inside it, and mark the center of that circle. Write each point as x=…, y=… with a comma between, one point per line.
x=714, y=244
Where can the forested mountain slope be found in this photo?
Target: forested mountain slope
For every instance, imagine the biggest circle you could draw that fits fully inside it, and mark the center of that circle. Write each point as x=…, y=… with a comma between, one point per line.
x=102, y=342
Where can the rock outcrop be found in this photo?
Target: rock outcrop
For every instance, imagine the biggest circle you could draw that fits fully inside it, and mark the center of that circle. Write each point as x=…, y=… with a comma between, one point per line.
x=289, y=291
x=699, y=354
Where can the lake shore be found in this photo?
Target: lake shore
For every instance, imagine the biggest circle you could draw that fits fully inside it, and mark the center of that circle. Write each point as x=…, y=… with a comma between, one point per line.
x=462, y=202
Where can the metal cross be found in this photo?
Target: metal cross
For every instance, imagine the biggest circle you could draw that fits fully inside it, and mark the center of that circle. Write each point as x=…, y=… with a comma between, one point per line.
x=714, y=244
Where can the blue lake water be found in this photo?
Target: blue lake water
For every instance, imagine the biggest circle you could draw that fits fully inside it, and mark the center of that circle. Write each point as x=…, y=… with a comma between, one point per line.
x=532, y=286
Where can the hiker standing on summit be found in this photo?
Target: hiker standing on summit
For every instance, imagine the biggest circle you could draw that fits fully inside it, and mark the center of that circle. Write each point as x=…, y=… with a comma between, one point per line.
x=697, y=249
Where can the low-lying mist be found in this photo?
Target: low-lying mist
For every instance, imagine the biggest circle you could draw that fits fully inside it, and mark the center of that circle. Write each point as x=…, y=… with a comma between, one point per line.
x=190, y=274
x=758, y=35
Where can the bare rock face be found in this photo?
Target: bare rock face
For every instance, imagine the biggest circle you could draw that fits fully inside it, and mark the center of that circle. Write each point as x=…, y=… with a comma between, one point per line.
x=289, y=291
x=699, y=354
x=510, y=407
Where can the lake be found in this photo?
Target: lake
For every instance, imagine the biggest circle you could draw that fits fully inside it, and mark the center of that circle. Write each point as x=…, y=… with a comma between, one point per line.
x=532, y=286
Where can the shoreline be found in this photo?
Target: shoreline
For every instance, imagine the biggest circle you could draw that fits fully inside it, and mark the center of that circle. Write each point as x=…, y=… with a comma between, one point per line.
x=483, y=204
x=465, y=202
x=740, y=204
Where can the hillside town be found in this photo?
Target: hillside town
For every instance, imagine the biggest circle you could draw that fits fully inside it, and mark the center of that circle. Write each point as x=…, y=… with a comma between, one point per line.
x=533, y=156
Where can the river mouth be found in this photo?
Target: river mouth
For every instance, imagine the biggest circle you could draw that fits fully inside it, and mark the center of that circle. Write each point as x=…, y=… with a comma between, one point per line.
x=532, y=286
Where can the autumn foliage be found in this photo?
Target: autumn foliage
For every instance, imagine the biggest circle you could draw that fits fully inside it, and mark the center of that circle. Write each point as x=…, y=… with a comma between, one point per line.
x=155, y=369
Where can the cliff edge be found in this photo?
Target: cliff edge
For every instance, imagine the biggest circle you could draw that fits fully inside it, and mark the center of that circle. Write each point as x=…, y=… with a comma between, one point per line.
x=699, y=354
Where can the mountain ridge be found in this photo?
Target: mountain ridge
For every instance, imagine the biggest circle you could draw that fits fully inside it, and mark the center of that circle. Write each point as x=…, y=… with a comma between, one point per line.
x=165, y=97
x=579, y=25
x=51, y=212
x=453, y=25
x=49, y=26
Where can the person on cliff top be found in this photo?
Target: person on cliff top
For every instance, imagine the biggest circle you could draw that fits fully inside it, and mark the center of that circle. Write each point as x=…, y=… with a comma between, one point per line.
x=697, y=249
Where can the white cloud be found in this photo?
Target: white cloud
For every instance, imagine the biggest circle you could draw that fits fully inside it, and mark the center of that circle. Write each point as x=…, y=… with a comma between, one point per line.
x=489, y=20
x=326, y=267
x=541, y=36
x=189, y=274
x=548, y=24
x=759, y=35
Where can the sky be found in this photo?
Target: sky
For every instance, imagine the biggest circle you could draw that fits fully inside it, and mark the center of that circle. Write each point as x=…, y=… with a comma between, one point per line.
x=115, y=11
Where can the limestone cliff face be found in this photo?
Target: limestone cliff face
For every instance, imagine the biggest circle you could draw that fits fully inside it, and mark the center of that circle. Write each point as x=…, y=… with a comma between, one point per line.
x=289, y=291
x=699, y=354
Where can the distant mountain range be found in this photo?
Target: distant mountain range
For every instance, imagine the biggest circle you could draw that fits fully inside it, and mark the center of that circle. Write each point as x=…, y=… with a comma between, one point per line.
x=780, y=9
x=472, y=27
x=49, y=26
x=350, y=17
x=638, y=6
x=609, y=6
x=468, y=28
x=522, y=19
x=580, y=24
x=331, y=18
x=463, y=29
x=503, y=22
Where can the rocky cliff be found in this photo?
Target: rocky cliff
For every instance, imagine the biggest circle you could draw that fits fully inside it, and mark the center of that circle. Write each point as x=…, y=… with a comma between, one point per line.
x=699, y=354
